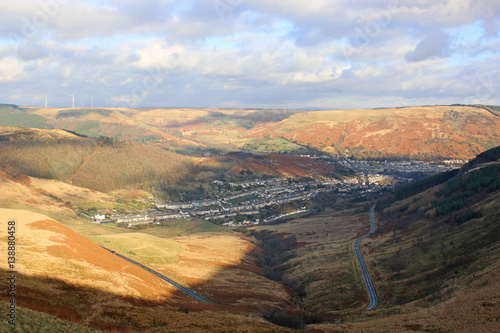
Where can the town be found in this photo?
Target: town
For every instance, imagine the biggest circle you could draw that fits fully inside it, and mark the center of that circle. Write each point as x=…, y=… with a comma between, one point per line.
x=248, y=202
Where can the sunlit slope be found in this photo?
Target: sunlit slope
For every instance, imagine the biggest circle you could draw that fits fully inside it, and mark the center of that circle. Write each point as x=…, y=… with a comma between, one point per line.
x=68, y=276
x=430, y=131
x=216, y=264
x=53, y=154
x=46, y=248
x=448, y=131
x=122, y=123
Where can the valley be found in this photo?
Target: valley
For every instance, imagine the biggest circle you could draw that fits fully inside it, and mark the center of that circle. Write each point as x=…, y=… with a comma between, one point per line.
x=259, y=212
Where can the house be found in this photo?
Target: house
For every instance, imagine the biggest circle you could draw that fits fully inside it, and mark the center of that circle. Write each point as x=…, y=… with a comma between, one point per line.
x=99, y=217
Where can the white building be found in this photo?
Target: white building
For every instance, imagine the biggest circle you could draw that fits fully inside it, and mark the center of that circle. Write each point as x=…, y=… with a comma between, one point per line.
x=99, y=217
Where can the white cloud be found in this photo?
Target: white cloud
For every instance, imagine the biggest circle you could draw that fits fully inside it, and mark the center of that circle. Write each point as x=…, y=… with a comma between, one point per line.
x=11, y=70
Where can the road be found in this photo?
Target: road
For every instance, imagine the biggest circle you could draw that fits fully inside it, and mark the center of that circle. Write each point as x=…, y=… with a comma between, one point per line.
x=366, y=276
x=163, y=277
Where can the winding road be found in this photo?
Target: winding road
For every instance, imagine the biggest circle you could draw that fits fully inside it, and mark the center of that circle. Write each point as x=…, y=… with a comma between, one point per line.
x=366, y=276
x=163, y=277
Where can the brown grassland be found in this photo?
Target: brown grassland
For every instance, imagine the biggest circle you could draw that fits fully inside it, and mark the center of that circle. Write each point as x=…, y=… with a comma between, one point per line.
x=419, y=132
x=323, y=260
x=278, y=165
x=55, y=265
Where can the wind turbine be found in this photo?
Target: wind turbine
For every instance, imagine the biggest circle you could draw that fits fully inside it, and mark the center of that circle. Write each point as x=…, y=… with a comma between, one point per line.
x=72, y=101
x=45, y=101
x=92, y=102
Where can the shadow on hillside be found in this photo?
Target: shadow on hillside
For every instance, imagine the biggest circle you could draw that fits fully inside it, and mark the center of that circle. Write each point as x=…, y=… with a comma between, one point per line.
x=77, y=113
x=97, y=308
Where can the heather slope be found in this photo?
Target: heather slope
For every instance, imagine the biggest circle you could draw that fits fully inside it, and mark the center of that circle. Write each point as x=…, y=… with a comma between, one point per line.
x=419, y=132
x=425, y=132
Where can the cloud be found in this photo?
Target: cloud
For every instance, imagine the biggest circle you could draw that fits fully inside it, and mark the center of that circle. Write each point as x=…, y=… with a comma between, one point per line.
x=253, y=53
x=11, y=70
x=436, y=44
x=31, y=51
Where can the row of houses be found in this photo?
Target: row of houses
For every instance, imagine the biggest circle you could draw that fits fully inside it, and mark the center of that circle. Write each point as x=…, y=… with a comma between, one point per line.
x=250, y=183
x=278, y=217
x=189, y=205
x=145, y=218
x=240, y=224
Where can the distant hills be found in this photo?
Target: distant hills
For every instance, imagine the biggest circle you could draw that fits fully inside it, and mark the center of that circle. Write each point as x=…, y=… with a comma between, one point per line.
x=427, y=132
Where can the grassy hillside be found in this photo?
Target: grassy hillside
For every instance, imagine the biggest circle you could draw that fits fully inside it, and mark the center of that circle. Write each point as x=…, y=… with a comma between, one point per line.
x=28, y=320
x=419, y=132
x=124, y=124
x=438, y=240
x=12, y=115
x=62, y=274
x=144, y=247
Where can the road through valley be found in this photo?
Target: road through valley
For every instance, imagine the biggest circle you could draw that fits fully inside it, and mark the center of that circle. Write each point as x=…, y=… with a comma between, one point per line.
x=366, y=275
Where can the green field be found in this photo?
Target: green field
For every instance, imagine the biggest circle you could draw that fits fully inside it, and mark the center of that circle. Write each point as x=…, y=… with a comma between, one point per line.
x=270, y=144
x=177, y=228
x=11, y=115
x=141, y=246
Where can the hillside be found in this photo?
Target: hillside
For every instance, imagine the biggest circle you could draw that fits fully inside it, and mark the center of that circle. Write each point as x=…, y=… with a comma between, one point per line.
x=441, y=246
x=12, y=115
x=418, y=132
x=55, y=264
x=99, y=164
x=111, y=122
x=132, y=165
x=53, y=154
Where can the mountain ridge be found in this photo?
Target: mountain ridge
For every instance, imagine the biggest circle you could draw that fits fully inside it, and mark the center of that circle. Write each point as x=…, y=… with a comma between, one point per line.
x=424, y=132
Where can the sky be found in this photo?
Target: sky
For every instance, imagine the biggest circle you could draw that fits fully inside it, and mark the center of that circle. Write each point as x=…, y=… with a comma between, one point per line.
x=291, y=54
